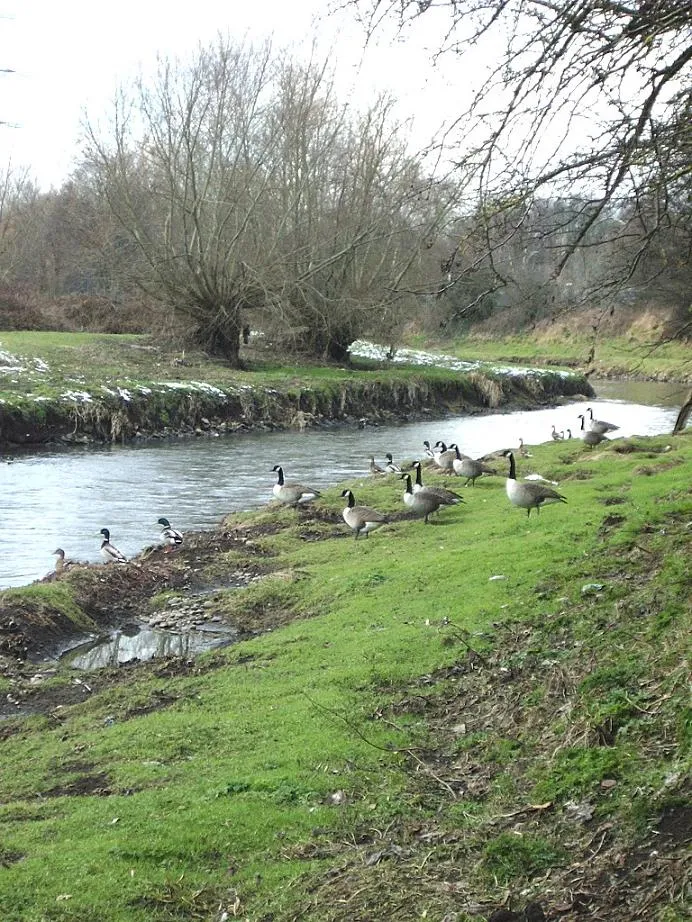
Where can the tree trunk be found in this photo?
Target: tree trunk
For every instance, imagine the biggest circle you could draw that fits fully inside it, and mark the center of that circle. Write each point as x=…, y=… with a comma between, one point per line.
x=683, y=415
x=221, y=338
x=337, y=350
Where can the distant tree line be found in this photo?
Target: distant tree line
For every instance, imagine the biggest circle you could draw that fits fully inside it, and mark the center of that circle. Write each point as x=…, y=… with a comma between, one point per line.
x=237, y=189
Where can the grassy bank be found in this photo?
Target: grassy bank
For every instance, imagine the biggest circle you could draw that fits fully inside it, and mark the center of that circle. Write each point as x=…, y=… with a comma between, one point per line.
x=612, y=356
x=445, y=719
x=78, y=387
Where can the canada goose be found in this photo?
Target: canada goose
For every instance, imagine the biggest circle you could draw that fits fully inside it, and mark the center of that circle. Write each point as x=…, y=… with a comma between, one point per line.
x=374, y=467
x=555, y=435
x=590, y=437
x=429, y=453
x=448, y=456
x=528, y=495
x=109, y=552
x=362, y=519
x=291, y=494
x=446, y=497
x=422, y=502
x=169, y=536
x=471, y=469
x=523, y=451
x=390, y=467
x=568, y=434
x=599, y=425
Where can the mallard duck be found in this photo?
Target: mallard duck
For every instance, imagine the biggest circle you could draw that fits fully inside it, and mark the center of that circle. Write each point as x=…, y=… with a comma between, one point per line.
x=528, y=495
x=291, y=494
x=523, y=451
x=390, y=467
x=60, y=563
x=169, y=536
x=375, y=467
x=109, y=552
x=362, y=519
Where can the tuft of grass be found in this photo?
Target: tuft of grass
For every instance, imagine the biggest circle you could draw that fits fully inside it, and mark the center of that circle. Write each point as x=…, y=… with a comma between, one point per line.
x=510, y=856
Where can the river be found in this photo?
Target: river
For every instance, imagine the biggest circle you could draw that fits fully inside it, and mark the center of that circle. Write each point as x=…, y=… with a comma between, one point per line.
x=62, y=497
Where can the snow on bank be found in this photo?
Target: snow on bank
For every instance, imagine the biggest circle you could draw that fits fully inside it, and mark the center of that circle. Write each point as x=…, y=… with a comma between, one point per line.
x=366, y=350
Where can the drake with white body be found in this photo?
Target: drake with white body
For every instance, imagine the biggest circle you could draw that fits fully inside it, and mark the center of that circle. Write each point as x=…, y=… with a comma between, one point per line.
x=110, y=553
x=169, y=536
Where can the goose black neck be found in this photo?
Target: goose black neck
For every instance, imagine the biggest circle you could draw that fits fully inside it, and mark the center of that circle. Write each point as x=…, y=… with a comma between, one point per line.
x=407, y=478
x=280, y=475
x=351, y=499
x=419, y=478
x=512, y=467
x=581, y=417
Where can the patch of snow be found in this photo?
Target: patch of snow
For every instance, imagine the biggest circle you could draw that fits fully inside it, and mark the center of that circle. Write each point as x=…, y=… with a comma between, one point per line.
x=40, y=365
x=77, y=396
x=124, y=394
x=144, y=390
x=192, y=387
x=208, y=388
x=364, y=349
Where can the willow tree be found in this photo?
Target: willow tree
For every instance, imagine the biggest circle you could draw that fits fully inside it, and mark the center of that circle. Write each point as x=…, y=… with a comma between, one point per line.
x=184, y=166
x=245, y=186
x=356, y=214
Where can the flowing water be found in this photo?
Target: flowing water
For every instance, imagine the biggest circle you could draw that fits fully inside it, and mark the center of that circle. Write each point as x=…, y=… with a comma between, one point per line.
x=63, y=497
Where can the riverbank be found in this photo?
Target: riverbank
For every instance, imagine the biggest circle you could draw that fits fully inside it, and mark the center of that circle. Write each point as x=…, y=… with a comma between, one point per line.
x=89, y=388
x=438, y=721
x=625, y=357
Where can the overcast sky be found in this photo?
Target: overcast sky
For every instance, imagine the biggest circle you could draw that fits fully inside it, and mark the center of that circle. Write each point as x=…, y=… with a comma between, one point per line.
x=69, y=55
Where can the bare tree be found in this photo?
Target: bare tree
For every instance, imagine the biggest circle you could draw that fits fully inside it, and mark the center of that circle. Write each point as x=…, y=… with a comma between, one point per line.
x=184, y=167
x=246, y=187
x=17, y=220
x=585, y=99
x=354, y=211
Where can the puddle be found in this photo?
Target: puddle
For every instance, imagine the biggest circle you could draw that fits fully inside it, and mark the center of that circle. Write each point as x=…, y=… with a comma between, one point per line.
x=143, y=643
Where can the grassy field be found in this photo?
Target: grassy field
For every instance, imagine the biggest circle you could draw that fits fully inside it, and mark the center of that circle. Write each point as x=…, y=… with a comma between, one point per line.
x=448, y=718
x=50, y=363
x=614, y=356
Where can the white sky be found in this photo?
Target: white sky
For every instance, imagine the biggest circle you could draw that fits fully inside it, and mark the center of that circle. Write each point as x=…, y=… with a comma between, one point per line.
x=71, y=54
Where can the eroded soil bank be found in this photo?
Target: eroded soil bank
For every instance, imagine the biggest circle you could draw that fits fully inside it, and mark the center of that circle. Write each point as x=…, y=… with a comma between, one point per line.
x=121, y=415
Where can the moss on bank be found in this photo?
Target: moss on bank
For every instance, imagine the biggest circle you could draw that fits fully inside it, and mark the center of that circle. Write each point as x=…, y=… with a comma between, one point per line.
x=69, y=388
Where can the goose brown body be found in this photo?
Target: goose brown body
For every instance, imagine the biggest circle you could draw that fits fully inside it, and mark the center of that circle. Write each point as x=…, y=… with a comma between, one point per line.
x=528, y=495
x=361, y=519
x=291, y=493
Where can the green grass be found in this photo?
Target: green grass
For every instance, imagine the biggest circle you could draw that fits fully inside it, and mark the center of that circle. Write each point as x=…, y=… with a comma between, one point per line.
x=84, y=361
x=613, y=355
x=225, y=792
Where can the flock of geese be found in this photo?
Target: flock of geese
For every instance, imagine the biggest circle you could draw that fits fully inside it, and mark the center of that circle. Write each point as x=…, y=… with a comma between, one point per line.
x=531, y=493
